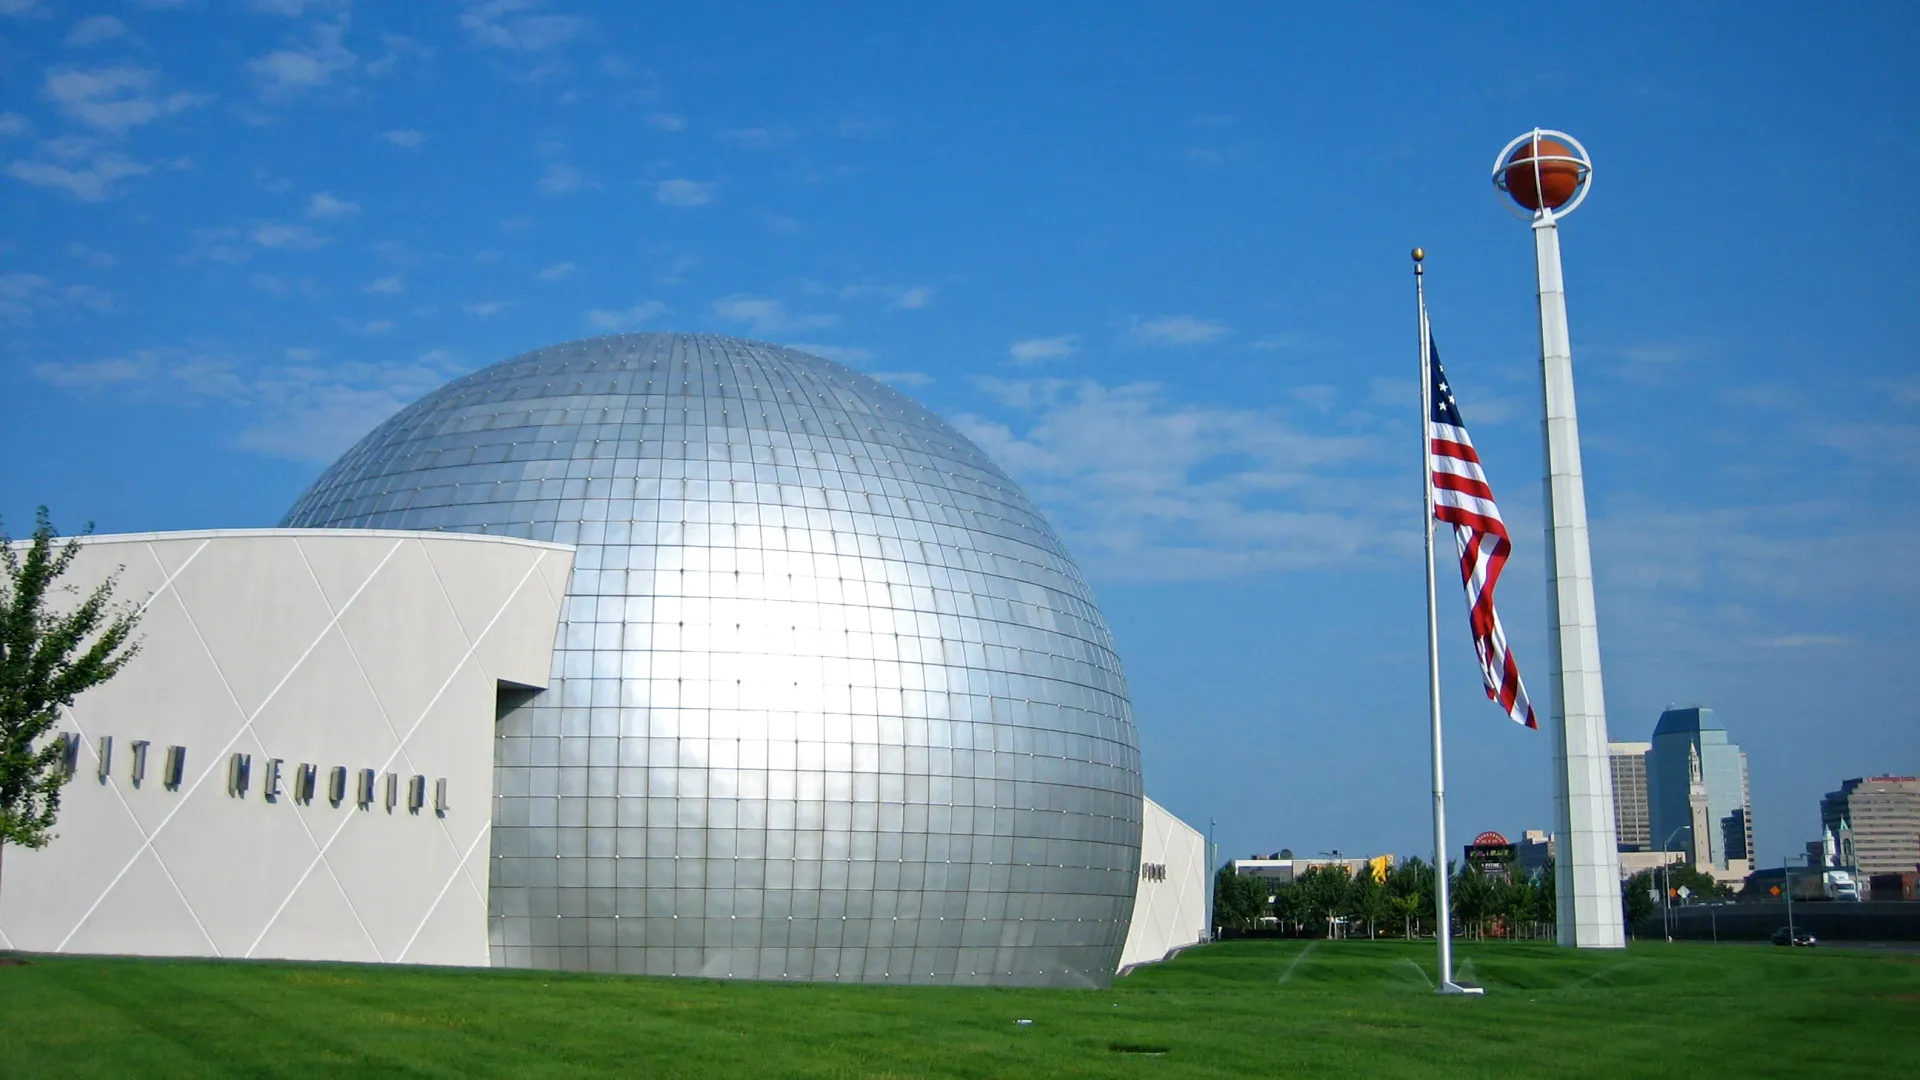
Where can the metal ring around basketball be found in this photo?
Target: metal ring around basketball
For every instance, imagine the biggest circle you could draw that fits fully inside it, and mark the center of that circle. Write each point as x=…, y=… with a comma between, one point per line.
x=1583, y=163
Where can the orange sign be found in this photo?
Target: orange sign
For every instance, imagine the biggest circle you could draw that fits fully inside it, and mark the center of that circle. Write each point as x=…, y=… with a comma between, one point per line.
x=1775, y=890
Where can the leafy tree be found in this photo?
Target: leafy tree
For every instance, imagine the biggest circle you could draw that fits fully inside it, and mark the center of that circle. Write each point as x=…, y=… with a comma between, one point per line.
x=1641, y=893
x=1368, y=899
x=1411, y=886
x=1323, y=892
x=1543, y=903
x=1636, y=897
x=1472, y=896
x=47, y=658
x=1238, y=901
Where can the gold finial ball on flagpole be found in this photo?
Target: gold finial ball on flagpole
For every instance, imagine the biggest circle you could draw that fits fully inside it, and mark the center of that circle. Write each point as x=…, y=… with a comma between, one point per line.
x=1419, y=254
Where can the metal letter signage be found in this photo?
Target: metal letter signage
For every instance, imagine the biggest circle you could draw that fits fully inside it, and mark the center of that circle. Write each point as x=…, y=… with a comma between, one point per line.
x=305, y=779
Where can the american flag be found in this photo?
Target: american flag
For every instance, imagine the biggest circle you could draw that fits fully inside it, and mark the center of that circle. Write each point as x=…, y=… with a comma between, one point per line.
x=1462, y=499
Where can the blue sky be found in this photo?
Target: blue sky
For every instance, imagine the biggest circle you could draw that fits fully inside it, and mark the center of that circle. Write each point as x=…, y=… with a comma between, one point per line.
x=1154, y=262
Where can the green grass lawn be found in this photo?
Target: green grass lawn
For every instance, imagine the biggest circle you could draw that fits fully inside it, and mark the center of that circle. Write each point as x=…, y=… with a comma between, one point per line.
x=1265, y=1008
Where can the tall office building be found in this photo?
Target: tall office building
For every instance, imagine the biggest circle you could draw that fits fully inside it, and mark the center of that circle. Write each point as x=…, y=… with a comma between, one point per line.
x=1723, y=770
x=1878, y=817
x=1631, y=827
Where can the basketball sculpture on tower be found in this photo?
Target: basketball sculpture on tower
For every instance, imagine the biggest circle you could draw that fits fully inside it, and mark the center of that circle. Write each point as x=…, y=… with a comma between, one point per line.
x=1546, y=175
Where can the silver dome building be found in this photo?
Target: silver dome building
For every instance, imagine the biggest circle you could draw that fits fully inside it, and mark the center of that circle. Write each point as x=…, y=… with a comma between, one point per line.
x=829, y=700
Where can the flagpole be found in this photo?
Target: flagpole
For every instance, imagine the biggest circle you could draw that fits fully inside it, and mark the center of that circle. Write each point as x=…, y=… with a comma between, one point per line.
x=1442, y=902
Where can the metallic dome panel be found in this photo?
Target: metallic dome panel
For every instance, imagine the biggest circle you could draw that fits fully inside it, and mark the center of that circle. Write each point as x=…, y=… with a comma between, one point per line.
x=830, y=700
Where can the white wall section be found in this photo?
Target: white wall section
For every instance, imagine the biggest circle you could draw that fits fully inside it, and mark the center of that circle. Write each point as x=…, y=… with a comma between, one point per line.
x=351, y=649
x=1170, y=910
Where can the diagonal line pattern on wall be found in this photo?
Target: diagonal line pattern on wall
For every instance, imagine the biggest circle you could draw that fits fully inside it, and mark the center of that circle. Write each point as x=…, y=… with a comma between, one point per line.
x=399, y=754
x=166, y=584
x=245, y=727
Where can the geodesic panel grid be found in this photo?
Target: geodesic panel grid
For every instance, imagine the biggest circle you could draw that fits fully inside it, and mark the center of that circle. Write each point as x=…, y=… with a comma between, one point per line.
x=830, y=700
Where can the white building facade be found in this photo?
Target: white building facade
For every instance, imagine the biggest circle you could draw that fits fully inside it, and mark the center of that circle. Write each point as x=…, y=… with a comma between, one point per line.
x=1170, y=910
x=301, y=763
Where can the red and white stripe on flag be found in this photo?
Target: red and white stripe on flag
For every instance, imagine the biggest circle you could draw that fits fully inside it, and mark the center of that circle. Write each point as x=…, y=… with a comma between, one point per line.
x=1462, y=499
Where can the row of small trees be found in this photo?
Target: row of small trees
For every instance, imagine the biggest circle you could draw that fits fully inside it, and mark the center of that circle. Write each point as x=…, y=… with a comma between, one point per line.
x=1329, y=896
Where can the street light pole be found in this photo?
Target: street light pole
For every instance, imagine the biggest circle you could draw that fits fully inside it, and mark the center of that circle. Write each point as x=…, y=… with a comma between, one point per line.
x=1786, y=880
x=1666, y=884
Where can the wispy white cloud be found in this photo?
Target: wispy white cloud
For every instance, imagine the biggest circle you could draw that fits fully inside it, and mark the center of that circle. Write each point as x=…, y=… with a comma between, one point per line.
x=1035, y=350
x=903, y=378
x=1146, y=487
x=386, y=286
x=518, y=26
x=293, y=9
x=270, y=234
x=623, y=318
x=95, y=29
x=1805, y=641
x=758, y=138
x=13, y=125
x=766, y=315
x=94, y=177
x=275, y=285
x=404, y=138
x=99, y=260
x=913, y=298
x=323, y=205
x=897, y=297
x=1176, y=330
x=292, y=406
x=1319, y=398
x=559, y=271
x=304, y=68
x=674, y=270
x=1275, y=342
x=667, y=122
x=841, y=354
x=112, y=99
x=560, y=179
x=487, y=309
x=683, y=192
x=20, y=294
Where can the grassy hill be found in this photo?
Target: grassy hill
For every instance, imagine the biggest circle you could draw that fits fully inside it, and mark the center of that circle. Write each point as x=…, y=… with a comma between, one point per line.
x=1263, y=1008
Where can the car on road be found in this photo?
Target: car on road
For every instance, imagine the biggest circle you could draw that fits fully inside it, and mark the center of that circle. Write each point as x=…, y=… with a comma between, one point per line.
x=1793, y=936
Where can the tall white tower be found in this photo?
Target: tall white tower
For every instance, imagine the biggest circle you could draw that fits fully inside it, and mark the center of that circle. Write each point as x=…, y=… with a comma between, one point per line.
x=1547, y=174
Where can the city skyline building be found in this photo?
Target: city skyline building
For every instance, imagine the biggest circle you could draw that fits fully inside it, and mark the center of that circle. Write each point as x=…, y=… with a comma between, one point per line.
x=1632, y=828
x=1875, y=821
x=1682, y=734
